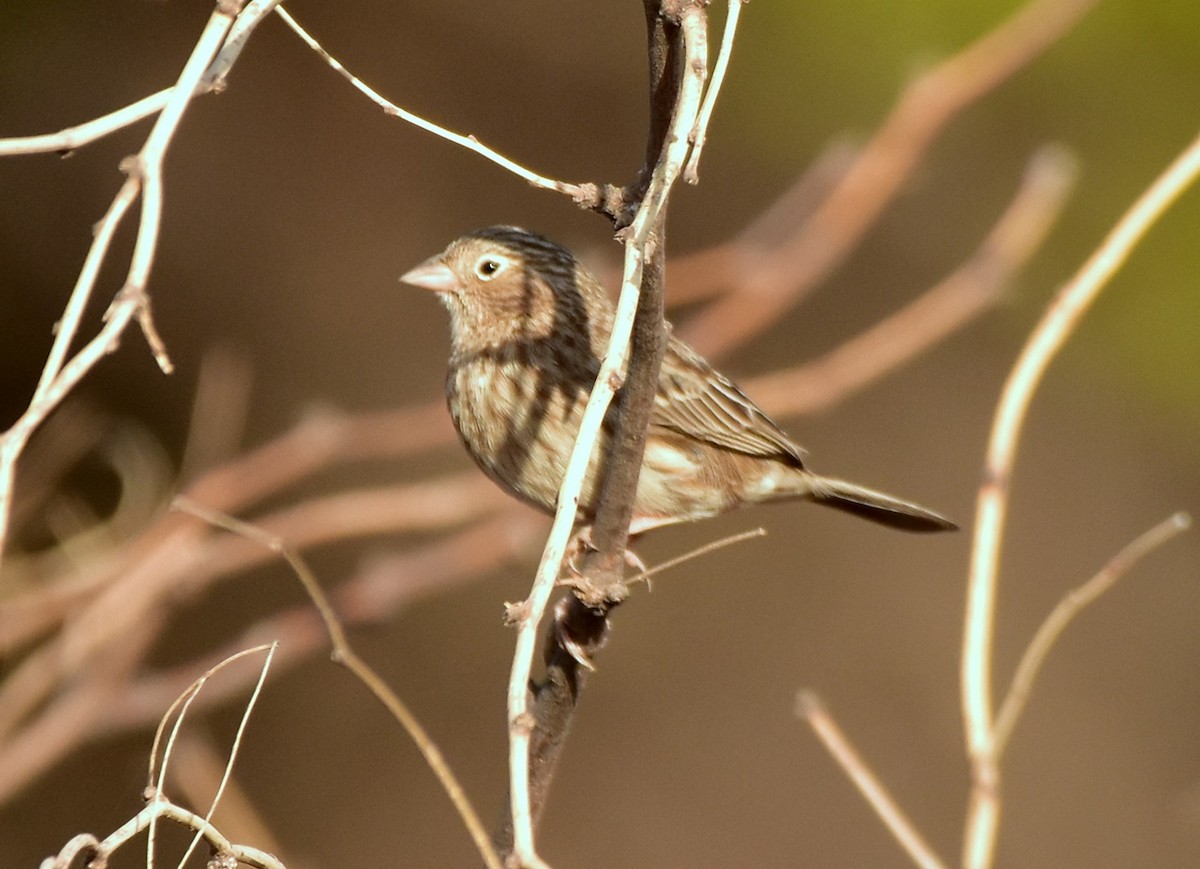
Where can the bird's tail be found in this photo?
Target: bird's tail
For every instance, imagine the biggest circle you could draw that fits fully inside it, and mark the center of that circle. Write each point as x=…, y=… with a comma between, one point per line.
x=876, y=506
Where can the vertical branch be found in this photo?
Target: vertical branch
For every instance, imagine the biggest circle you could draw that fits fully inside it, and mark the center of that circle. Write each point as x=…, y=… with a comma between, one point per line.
x=677, y=44
x=648, y=339
x=991, y=509
x=144, y=177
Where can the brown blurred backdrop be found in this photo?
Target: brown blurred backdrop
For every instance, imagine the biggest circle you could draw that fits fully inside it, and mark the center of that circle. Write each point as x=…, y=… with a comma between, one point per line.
x=292, y=205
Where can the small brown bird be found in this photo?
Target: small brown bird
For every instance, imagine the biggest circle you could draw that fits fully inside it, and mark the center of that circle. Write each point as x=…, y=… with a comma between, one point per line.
x=529, y=325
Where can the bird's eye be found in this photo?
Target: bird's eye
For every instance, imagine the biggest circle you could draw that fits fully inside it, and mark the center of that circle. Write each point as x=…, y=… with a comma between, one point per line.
x=488, y=267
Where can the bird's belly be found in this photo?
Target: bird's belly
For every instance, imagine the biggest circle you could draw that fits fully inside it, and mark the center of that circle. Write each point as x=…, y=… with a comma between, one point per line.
x=678, y=483
x=518, y=430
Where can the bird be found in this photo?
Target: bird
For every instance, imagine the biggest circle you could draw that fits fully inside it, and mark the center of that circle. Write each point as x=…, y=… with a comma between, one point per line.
x=529, y=325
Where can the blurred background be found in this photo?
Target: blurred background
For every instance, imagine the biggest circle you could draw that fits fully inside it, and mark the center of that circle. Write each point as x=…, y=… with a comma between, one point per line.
x=292, y=205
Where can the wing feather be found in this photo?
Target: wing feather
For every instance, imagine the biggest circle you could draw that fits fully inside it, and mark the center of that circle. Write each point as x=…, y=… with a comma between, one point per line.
x=702, y=404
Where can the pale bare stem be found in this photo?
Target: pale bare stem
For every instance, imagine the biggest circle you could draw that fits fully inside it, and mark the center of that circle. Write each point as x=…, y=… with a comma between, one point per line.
x=691, y=173
x=100, y=851
x=147, y=168
x=55, y=382
x=1066, y=610
x=345, y=655
x=71, y=138
x=608, y=380
x=13, y=441
x=249, y=18
x=963, y=295
x=144, y=175
x=837, y=224
x=811, y=708
x=575, y=191
x=983, y=815
x=233, y=750
x=698, y=552
x=199, y=767
x=1072, y=301
x=84, y=843
x=183, y=703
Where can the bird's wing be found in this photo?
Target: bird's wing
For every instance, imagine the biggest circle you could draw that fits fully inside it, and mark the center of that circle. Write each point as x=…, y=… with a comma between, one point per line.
x=703, y=404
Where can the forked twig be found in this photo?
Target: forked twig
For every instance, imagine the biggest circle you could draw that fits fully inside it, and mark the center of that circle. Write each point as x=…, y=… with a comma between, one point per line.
x=1070, y=606
x=344, y=654
x=144, y=177
x=1064, y=313
x=159, y=806
x=97, y=850
x=156, y=787
x=699, y=134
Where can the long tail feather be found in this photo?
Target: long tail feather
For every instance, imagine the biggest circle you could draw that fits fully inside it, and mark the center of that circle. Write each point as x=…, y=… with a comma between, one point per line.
x=877, y=506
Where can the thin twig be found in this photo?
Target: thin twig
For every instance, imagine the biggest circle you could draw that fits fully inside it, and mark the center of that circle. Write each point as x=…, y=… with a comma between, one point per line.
x=344, y=654
x=100, y=851
x=56, y=380
x=810, y=707
x=199, y=768
x=1072, y=301
x=248, y=19
x=67, y=140
x=840, y=221
x=1062, y=615
x=72, y=138
x=940, y=311
x=691, y=172
x=144, y=175
x=233, y=749
x=576, y=191
x=698, y=552
x=158, y=776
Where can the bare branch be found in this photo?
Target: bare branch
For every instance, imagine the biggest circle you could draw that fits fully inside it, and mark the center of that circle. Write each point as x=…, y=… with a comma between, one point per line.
x=98, y=851
x=810, y=707
x=344, y=654
x=67, y=140
x=156, y=783
x=1068, y=307
x=611, y=376
x=1070, y=606
x=145, y=176
x=920, y=114
x=941, y=311
x=691, y=173
x=581, y=193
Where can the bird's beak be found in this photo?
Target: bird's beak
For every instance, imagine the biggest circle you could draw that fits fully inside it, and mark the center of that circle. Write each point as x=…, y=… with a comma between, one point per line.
x=433, y=274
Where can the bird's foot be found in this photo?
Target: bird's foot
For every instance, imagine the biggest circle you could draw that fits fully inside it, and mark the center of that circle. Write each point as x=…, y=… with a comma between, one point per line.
x=581, y=546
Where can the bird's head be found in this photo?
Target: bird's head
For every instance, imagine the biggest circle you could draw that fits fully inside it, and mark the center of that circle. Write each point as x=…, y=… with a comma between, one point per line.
x=504, y=284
